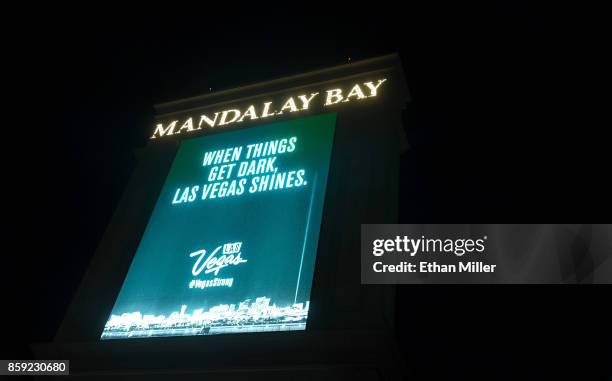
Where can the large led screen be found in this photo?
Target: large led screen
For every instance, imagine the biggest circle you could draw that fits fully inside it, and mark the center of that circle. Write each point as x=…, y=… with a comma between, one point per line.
x=230, y=246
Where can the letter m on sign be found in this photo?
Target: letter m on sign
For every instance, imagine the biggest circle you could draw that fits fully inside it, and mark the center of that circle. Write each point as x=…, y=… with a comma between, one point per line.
x=161, y=131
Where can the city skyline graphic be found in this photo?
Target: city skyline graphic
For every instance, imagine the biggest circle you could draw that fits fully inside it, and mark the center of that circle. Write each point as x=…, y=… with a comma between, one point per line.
x=247, y=316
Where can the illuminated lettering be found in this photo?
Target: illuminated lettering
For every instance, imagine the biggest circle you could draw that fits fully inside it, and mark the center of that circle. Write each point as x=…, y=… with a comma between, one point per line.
x=373, y=88
x=355, y=92
x=306, y=101
x=290, y=104
x=187, y=195
x=281, y=180
x=213, y=264
x=271, y=148
x=256, y=167
x=250, y=112
x=333, y=96
x=188, y=125
x=207, y=120
x=224, y=115
x=161, y=131
x=266, y=110
x=221, y=172
x=222, y=156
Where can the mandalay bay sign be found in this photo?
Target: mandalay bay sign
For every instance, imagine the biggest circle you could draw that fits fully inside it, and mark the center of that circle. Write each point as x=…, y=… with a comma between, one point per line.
x=265, y=110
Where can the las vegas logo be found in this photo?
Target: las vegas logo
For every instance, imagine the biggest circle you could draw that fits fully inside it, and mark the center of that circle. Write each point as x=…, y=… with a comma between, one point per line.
x=212, y=263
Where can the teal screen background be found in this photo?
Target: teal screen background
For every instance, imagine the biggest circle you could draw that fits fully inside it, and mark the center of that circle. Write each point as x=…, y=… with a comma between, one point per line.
x=278, y=231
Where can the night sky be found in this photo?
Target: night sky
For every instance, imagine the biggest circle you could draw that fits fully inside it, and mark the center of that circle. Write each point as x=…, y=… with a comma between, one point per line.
x=494, y=128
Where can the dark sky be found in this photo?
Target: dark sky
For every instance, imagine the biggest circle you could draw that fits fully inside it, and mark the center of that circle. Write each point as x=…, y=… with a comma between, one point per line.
x=493, y=125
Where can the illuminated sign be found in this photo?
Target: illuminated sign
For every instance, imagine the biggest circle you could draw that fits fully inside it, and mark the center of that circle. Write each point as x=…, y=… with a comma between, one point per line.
x=265, y=110
x=230, y=246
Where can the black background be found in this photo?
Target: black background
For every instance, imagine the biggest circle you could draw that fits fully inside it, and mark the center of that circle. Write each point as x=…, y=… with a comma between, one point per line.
x=501, y=130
